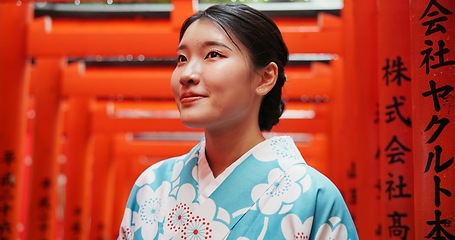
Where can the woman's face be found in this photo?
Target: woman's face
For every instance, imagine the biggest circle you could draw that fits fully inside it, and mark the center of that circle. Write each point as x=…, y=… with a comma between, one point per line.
x=213, y=82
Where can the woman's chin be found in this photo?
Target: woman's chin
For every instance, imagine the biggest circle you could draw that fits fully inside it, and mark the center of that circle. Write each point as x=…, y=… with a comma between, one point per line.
x=192, y=123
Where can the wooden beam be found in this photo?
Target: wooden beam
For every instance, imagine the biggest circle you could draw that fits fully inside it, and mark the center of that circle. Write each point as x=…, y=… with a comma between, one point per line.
x=303, y=83
x=163, y=116
x=113, y=37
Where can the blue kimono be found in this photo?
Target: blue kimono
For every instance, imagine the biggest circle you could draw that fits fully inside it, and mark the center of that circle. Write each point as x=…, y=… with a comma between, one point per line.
x=268, y=193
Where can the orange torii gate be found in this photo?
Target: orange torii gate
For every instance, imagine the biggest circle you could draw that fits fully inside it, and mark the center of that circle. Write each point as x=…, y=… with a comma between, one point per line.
x=114, y=120
x=109, y=118
x=78, y=145
x=153, y=82
x=131, y=156
x=150, y=38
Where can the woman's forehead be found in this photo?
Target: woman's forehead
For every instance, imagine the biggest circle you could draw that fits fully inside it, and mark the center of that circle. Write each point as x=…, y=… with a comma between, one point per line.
x=202, y=28
x=207, y=30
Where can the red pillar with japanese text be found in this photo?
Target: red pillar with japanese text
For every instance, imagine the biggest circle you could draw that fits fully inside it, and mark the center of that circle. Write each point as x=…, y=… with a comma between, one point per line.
x=46, y=76
x=14, y=69
x=395, y=123
x=433, y=75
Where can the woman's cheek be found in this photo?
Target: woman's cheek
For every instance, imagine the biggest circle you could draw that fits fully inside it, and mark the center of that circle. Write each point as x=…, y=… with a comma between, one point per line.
x=175, y=83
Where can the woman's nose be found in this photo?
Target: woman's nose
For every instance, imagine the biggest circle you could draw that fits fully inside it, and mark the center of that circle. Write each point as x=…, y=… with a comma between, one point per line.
x=191, y=74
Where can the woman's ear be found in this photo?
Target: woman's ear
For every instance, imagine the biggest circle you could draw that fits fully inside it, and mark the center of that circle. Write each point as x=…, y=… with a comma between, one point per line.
x=269, y=75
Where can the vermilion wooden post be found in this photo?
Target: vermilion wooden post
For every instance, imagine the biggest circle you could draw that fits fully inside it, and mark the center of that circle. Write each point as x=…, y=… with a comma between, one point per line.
x=395, y=123
x=46, y=77
x=13, y=103
x=351, y=113
x=105, y=189
x=124, y=183
x=363, y=47
x=433, y=85
x=339, y=154
x=78, y=170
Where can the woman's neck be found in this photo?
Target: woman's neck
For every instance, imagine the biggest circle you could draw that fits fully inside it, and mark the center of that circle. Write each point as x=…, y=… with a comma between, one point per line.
x=225, y=147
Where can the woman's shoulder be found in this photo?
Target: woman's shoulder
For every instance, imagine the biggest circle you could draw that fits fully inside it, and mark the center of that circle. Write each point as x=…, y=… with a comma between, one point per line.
x=164, y=169
x=322, y=185
x=324, y=197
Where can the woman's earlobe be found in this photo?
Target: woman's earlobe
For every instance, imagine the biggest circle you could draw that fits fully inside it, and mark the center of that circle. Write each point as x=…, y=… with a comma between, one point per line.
x=268, y=79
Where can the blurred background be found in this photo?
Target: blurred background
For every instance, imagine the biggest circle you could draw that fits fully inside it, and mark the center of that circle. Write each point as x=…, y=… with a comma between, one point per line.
x=86, y=106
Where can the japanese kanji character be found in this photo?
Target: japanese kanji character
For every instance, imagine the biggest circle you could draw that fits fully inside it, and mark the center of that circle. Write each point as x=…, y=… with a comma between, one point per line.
x=436, y=93
x=438, y=167
x=395, y=109
x=397, y=229
x=396, y=149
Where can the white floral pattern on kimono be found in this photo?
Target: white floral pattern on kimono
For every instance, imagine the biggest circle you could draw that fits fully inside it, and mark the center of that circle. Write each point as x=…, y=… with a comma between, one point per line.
x=268, y=193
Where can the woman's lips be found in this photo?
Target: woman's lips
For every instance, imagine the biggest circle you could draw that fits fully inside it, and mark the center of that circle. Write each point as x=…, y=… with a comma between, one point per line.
x=190, y=97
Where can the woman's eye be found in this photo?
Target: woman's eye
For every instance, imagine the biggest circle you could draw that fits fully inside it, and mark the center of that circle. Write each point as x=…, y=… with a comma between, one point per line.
x=213, y=54
x=181, y=58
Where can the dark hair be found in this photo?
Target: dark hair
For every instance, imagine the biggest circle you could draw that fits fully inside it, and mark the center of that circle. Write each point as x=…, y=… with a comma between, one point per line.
x=263, y=40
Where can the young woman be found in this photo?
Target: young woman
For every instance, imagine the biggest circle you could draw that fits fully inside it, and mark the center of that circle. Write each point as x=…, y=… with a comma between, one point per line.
x=234, y=184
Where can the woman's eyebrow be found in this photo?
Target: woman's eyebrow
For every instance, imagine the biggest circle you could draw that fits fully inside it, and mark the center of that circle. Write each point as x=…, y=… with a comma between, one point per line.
x=207, y=44
x=181, y=47
x=215, y=43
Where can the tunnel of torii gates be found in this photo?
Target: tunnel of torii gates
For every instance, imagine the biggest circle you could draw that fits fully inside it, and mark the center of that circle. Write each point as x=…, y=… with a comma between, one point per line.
x=377, y=117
